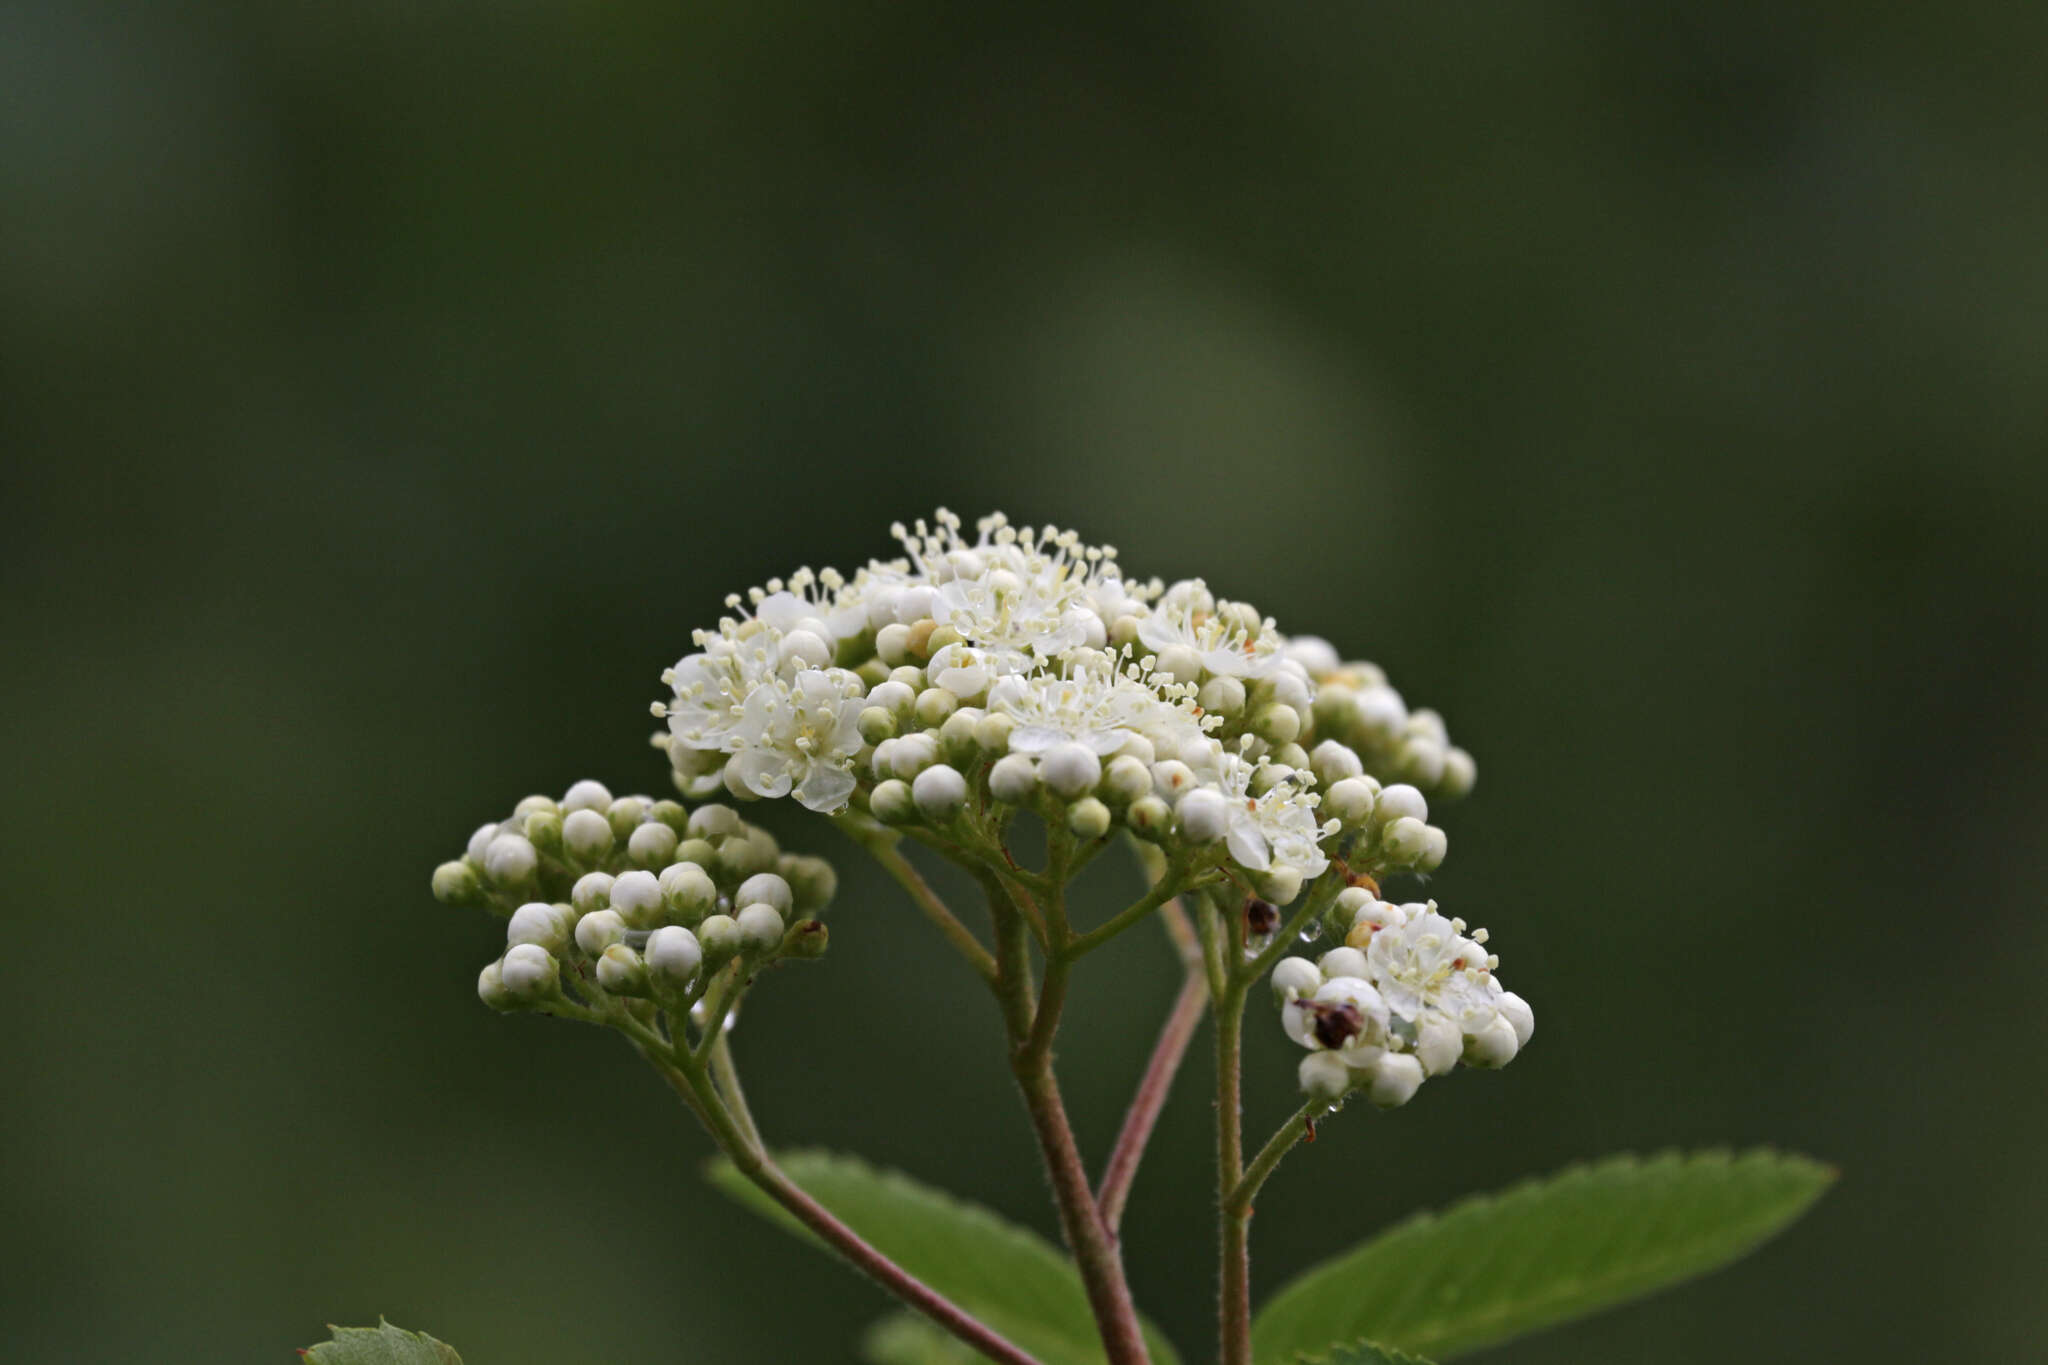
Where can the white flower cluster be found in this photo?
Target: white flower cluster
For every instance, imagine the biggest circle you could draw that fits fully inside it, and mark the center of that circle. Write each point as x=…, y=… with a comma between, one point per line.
x=634, y=897
x=1408, y=995
x=1018, y=668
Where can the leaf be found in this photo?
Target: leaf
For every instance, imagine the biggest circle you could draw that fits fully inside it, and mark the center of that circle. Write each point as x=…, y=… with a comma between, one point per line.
x=1010, y=1278
x=380, y=1345
x=907, y=1339
x=1361, y=1353
x=1543, y=1252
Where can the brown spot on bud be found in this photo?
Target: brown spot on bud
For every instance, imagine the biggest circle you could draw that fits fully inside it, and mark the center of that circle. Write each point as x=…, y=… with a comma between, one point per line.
x=1337, y=1024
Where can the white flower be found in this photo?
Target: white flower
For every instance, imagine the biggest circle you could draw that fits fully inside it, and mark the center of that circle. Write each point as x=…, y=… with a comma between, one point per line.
x=1017, y=598
x=1092, y=702
x=1279, y=826
x=1427, y=966
x=802, y=736
x=1225, y=637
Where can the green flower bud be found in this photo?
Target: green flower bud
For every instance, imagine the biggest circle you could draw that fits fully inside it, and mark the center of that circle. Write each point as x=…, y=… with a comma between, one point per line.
x=456, y=883
x=621, y=972
x=625, y=815
x=891, y=802
x=1403, y=841
x=1088, y=818
x=760, y=928
x=587, y=835
x=688, y=891
x=702, y=852
x=1149, y=817
x=876, y=725
x=812, y=881
x=544, y=830
x=672, y=814
x=808, y=939
x=720, y=937
x=651, y=845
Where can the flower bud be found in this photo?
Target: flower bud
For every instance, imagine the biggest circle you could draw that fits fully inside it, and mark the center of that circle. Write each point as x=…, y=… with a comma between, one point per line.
x=688, y=891
x=538, y=923
x=1350, y=800
x=992, y=732
x=599, y=930
x=891, y=802
x=1179, y=663
x=1013, y=779
x=651, y=845
x=1294, y=976
x=1204, y=814
x=956, y=735
x=1324, y=1077
x=1435, y=844
x=1342, y=962
x=1421, y=760
x=456, y=884
x=805, y=649
x=760, y=928
x=716, y=822
x=808, y=939
x=1221, y=696
x=1333, y=762
x=1438, y=1044
x=1394, y=1079
x=530, y=973
x=586, y=795
x=934, y=706
x=912, y=754
x=479, y=842
x=1088, y=818
x=586, y=834
x=672, y=814
x=742, y=855
x=1520, y=1017
x=892, y=643
x=490, y=988
x=702, y=852
x=1127, y=779
x=719, y=936
x=621, y=972
x=1493, y=1046
x=1276, y=724
x=637, y=897
x=812, y=881
x=1460, y=772
x=876, y=724
x=673, y=955
x=939, y=791
x=1070, y=769
x=1399, y=801
x=1404, y=840
x=510, y=860
x=1379, y=713
x=625, y=815
x=1279, y=883
x=544, y=830
x=593, y=891
x=1149, y=817
x=1172, y=778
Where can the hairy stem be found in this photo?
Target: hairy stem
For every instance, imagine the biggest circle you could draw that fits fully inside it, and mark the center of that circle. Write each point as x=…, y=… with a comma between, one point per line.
x=1279, y=1145
x=1174, y=1038
x=1031, y=1029
x=752, y=1160
x=881, y=845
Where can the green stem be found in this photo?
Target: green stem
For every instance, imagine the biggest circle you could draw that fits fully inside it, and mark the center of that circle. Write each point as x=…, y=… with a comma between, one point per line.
x=727, y=1078
x=1239, y=1200
x=881, y=845
x=1160, y=892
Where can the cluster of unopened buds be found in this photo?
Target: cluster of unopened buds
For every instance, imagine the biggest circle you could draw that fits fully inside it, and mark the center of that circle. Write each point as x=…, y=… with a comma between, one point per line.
x=631, y=898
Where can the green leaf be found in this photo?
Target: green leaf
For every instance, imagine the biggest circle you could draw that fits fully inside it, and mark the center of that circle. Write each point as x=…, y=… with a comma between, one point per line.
x=380, y=1345
x=1543, y=1252
x=1361, y=1353
x=1010, y=1278
x=907, y=1339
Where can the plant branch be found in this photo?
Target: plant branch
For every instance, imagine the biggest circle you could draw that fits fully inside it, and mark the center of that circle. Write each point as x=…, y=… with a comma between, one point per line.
x=1171, y=884
x=881, y=845
x=1239, y=1200
x=1167, y=1054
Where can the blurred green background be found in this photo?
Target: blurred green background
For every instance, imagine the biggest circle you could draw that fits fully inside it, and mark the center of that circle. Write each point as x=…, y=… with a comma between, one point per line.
x=387, y=388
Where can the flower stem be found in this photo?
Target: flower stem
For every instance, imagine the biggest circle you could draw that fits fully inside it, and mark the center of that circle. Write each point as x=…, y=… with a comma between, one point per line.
x=1240, y=1198
x=1031, y=1030
x=881, y=845
x=751, y=1159
x=1167, y=1053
